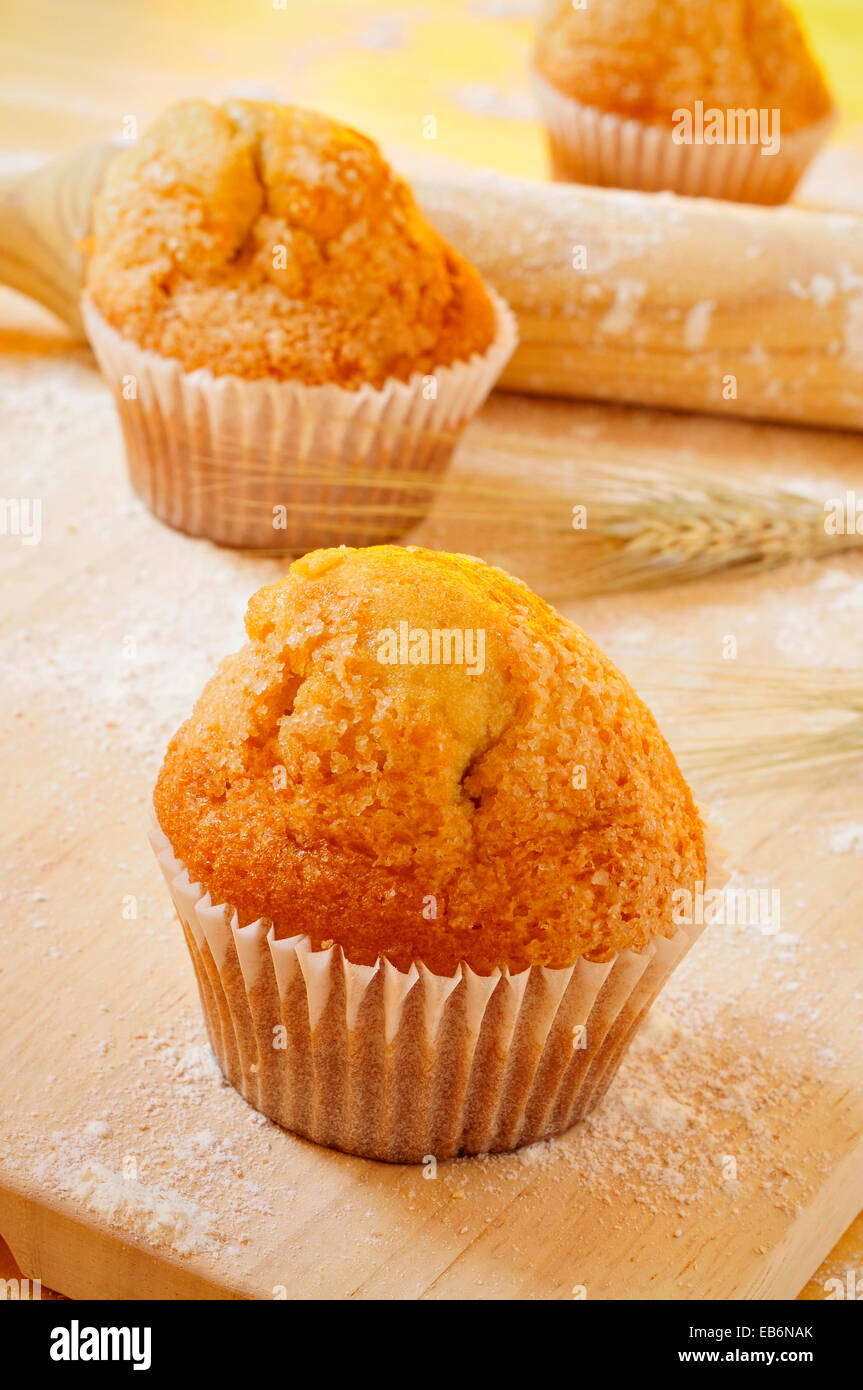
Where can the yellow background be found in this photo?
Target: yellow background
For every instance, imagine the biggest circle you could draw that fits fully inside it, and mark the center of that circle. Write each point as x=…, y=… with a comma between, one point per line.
x=73, y=70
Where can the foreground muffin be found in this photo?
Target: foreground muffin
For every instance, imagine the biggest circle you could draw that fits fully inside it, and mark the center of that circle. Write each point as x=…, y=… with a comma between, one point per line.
x=428, y=899
x=294, y=330
x=612, y=77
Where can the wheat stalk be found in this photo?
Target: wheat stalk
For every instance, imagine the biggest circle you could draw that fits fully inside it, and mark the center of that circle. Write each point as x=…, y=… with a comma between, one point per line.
x=820, y=714
x=644, y=528
x=647, y=528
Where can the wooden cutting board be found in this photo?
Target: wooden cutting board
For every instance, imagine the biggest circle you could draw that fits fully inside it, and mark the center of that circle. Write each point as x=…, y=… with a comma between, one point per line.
x=728, y=1157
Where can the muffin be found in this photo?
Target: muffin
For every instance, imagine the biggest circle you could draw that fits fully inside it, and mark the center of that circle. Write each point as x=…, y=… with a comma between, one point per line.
x=712, y=98
x=426, y=845
x=292, y=347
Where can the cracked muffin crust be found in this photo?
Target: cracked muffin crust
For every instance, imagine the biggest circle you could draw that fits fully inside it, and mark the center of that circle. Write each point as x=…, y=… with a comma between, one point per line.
x=266, y=241
x=645, y=59
x=525, y=813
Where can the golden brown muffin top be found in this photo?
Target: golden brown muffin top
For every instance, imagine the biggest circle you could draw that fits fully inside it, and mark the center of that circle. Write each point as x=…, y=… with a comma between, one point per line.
x=267, y=241
x=524, y=813
x=649, y=58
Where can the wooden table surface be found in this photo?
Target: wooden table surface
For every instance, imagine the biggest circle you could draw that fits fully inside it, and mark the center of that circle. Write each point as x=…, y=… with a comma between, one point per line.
x=113, y=623
x=81, y=713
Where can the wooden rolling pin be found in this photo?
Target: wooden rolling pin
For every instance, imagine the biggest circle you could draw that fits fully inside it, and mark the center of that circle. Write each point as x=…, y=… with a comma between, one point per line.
x=44, y=218
x=654, y=299
x=648, y=299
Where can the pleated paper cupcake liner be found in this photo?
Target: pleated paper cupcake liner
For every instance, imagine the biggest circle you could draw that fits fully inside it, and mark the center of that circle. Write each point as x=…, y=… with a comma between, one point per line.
x=278, y=465
x=407, y=1065
x=591, y=146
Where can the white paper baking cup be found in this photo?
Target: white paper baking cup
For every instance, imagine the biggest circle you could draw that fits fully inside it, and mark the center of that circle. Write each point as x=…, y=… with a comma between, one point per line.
x=407, y=1065
x=225, y=458
x=591, y=146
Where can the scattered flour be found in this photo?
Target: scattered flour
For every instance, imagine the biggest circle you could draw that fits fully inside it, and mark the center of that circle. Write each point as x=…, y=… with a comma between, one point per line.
x=846, y=839
x=659, y=1113
x=696, y=329
x=620, y=318
x=658, y=1031
x=158, y=1215
x=821, y=290
x=97, y=1129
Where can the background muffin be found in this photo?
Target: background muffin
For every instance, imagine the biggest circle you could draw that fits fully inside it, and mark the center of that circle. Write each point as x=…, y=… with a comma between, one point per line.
x=450, y=886
x=295, y=330
x=612, y=76
x=263, y=241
